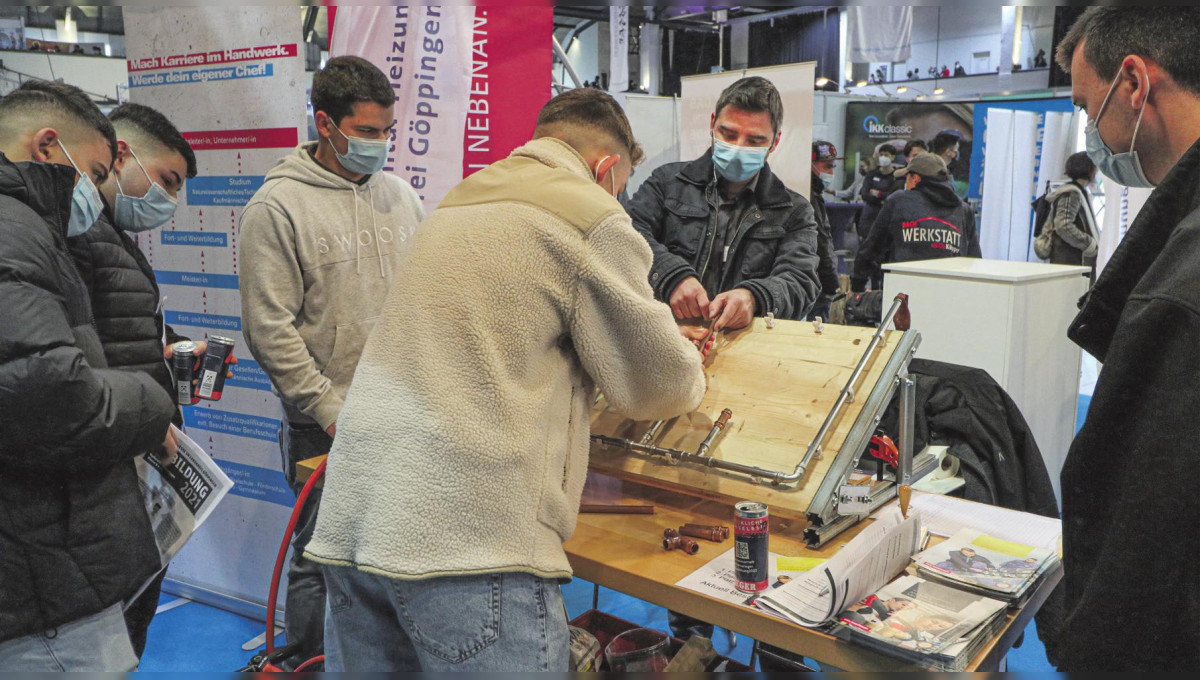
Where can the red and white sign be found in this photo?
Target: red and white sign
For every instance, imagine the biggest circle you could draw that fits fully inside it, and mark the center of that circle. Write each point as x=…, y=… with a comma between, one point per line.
x=469, y=83
x=223, y=56
x=265, y=138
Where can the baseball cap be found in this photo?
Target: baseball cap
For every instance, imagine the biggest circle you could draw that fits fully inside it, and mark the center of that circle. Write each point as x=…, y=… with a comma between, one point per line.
x=824, y=151
x=926, y=165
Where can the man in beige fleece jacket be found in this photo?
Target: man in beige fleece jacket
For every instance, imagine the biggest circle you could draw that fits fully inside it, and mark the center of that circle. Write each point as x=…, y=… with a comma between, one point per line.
x=462, y=448
x=320, y=246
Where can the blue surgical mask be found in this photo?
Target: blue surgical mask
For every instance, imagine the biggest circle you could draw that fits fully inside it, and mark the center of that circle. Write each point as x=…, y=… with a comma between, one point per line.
x=363, y=156
x=138, y=214
x=738, y=163
x=85, y=201
x=1122, y=168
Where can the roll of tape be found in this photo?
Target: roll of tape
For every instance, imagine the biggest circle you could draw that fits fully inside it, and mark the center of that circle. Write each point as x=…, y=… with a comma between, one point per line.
x=948, y=467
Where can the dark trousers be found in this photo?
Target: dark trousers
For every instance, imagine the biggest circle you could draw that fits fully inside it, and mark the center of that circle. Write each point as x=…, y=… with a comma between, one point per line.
x=304, y=613
x=141, y=613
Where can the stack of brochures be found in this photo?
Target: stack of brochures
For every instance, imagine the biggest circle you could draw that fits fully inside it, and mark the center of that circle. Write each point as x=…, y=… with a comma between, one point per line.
x=986, y=565
x=924, y=623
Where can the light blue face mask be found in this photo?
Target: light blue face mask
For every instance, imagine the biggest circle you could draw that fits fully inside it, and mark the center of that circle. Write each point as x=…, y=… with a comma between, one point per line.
x=363, y=156
x=138, y=214
x=85, y=201
x=738, y=163
x=1122, y=168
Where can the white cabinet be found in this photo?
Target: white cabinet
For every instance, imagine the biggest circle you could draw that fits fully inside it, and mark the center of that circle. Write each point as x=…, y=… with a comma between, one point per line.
x=1010, y=319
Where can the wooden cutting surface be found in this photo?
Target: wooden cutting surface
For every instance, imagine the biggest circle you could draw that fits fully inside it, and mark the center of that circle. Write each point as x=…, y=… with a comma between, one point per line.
x=780, y=384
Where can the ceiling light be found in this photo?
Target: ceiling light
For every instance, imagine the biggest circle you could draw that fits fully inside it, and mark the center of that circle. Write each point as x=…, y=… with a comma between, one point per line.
x=822, y=81
x=939, y=91
x=920, y=96
x=902, y=89
x=861, y=83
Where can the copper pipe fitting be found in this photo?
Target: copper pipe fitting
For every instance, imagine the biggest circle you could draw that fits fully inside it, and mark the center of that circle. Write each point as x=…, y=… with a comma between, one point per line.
x=670, y=533
x=687, y=545
x=715, y=534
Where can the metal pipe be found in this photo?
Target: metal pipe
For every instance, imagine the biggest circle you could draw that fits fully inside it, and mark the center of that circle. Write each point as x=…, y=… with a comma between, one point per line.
x=562, y=55
x=908, y=399
x=652, y=433
x=714, y=433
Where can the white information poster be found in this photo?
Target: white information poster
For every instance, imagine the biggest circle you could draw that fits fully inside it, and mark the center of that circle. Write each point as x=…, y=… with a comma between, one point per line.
x=792, y=161
x=234, y=84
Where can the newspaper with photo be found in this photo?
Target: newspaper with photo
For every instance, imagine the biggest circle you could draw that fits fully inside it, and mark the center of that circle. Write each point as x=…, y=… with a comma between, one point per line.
x=877, y=555
x=928, y=623
x=985, y=564
x=179, y=497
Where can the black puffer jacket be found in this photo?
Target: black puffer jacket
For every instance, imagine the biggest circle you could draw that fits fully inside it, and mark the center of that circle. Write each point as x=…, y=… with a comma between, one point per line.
x=927, y=223
x=125, y=300
x=827, y=266
x=74, y=536
x=773, y=253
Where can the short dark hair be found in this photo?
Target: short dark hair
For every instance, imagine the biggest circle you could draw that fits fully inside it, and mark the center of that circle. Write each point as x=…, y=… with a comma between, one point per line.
x=346, y=81
x=755, y=95
x=887, y=148
x=943, y=141
x=153, y=124
x=591, y=108
x=914, y=144
x=61, y=99
x=1164, y=34
x=1080, y=166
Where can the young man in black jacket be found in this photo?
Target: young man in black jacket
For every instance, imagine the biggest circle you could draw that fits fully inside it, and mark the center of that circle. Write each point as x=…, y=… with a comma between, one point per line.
x=75, y=539
x=823, y=158
x=730, y=241
x=1131, y=548
x=926, y=221
x=152, y=161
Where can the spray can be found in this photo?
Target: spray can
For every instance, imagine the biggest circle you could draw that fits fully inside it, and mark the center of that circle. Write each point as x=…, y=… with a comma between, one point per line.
x=751, y=532
x=183, y=368
x=212, y=370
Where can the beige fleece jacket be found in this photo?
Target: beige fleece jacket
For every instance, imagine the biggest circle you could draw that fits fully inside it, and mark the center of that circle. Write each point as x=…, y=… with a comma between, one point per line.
x=463, y=444
x=319, y=255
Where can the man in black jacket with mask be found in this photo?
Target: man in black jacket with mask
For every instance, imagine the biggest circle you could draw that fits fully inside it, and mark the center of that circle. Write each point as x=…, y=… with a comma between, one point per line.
x=925, y=222
x=1131, y=548
x=152, y=161
x=75, y=539
x=730, y=241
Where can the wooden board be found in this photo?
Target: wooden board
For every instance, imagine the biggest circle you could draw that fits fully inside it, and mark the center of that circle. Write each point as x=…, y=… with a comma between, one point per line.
x=780, y=384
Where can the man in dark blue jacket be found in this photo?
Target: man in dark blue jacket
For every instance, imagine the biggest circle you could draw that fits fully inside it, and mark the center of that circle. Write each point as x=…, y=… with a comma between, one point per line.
x=926, y=221
x=730, y=241
x=75, y=538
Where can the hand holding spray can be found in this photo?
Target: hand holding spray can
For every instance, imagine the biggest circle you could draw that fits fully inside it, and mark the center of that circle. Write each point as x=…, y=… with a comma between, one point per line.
x=213, y=368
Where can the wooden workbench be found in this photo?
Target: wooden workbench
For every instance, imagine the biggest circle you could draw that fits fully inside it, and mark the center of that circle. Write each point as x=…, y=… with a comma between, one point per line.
x=624, y=553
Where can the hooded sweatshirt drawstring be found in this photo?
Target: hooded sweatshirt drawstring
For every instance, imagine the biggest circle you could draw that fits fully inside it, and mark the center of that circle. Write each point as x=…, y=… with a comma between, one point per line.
x=357, y=243
x=378, y=244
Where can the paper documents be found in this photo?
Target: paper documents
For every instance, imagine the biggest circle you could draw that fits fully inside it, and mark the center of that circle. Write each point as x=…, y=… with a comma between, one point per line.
x=179, y=497
x=945, y=516
x=716, y=579
x=874, y=557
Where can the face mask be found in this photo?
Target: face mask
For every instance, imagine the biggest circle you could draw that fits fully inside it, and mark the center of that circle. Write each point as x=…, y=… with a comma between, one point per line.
x=85, y=201
x=612, y=172
x=885, y=161
x=363, y=156
x=1122, y=168
x=135, y=214
x=827, y=178
x=738, y=163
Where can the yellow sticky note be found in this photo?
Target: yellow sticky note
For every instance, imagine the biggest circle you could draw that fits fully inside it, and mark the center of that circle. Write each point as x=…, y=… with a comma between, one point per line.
x=798, y=563
x=1006, y=547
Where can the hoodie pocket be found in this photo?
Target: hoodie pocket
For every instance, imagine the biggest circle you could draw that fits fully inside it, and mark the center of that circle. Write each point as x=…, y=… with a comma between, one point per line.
x=348, y=342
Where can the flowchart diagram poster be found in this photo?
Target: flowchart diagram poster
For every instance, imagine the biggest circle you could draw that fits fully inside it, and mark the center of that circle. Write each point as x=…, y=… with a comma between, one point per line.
x=235, y=87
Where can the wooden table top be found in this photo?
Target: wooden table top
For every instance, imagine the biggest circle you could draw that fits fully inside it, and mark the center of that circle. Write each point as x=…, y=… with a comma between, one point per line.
x=624, y=553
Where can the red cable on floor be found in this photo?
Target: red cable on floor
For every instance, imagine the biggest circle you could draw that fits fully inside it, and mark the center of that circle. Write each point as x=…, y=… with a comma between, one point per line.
x=279, y=560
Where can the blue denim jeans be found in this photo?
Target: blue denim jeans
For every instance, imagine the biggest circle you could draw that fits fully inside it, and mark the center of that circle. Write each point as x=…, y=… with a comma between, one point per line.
x=96, y=643
x=492, y=622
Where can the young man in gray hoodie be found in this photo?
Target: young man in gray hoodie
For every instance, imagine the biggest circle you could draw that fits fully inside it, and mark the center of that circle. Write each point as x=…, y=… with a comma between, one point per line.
x=320, y=244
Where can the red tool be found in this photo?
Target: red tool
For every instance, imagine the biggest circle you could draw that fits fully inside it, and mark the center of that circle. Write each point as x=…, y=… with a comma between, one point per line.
x=883, y=448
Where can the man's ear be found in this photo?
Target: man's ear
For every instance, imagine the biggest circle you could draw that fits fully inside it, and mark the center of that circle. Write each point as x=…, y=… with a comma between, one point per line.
x=609, y=164
x=41, y=144
x=775, y=144
x=122, y=153
x=320, y=118
x=712, y=124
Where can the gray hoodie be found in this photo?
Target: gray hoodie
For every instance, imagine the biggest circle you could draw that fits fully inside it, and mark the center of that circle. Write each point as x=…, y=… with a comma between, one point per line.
x=319, y=254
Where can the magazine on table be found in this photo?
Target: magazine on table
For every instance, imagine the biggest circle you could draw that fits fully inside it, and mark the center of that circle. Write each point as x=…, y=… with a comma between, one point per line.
x=877, y=555
x=179, y=497
x=985, y=564
x=929, y=624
